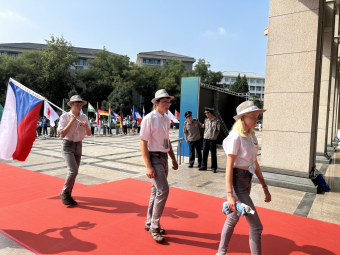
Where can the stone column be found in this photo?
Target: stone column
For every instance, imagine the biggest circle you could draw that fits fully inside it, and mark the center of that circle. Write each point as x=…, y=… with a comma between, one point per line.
x=331, y=113
x=293, y=71
x=334, y=90
x=336, y=106
x=327, y=70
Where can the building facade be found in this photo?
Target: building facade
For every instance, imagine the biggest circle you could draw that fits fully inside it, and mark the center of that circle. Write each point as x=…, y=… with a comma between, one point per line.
x=255, y=81
x=301, y=123
x=159, y=58
x=16, y=49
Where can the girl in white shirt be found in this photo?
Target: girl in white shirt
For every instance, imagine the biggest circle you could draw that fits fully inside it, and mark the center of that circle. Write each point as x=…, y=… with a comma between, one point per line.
x=241, y=148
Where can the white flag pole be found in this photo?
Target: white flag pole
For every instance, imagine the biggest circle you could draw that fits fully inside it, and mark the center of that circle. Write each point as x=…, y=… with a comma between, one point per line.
x=34, y=94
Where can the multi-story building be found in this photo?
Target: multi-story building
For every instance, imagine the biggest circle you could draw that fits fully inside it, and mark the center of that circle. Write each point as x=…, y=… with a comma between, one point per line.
x=159, y=58
x=16, y=49
x=255, y=82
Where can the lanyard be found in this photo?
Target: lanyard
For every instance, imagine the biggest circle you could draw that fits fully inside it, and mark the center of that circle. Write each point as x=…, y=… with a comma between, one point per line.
x=165, y=127
x=165, y=143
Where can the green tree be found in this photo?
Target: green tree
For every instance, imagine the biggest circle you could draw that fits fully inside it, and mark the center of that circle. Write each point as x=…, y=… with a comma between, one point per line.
x=24, y=69
x=9, y=67
x=202, y=69
x=146, y=84
x=106, y=71
x=245, y=86
x=119, y=95
x=170, y=79
x=73, y=92
x=95, y=90
x=259, y=103
x=240, y=85
x=55, y=80
x=44, y=71
x=214, y=78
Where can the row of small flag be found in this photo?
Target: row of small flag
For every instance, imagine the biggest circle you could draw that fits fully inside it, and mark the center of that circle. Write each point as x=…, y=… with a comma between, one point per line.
x=135, y=115
x=112, y=116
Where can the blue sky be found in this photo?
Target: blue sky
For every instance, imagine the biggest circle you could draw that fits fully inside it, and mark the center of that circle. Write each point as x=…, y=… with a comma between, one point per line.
x=228, y=34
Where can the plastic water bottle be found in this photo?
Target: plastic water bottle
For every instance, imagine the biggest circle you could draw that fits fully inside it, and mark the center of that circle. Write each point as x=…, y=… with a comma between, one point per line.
x=247, y=208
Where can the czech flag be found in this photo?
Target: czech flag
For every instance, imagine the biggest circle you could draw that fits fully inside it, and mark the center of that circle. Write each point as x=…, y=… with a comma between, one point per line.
x=19, y=121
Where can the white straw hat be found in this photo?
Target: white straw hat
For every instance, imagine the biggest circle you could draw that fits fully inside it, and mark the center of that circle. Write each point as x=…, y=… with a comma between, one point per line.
x=247, y=107
x=160, y=94
x=76, y=98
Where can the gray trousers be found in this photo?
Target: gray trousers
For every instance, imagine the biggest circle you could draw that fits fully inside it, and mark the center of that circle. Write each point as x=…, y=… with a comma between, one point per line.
x=72, y=154
x=159, y=189
x=241, y=187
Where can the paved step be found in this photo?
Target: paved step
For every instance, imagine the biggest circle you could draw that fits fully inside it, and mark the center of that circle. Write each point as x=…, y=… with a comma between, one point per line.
x=288, y=182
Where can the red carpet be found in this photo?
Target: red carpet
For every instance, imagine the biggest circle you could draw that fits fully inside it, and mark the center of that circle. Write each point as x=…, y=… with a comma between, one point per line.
x=19, y=185
x=110, y=219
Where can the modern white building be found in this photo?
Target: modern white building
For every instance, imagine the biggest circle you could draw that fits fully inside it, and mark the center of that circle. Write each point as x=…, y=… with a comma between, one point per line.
x=255, y=82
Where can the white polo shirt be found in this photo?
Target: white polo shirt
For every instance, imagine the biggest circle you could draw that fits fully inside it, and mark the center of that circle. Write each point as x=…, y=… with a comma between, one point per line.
x=75, y=128
x=154, y=129
x=245, y=148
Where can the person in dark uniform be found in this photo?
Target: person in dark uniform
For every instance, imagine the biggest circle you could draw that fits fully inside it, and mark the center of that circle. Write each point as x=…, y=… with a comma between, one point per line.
x=191, y=130
x=211, y=131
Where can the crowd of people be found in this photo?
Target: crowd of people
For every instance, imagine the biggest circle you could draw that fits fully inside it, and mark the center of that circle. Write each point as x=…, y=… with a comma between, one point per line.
x=42, y=124
x=129, y=127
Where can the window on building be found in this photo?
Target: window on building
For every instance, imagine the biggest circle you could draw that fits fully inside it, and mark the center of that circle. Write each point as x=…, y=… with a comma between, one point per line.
x=226, y=79
x=252, y=88
x=233, y=79
x=152, y=61
x=252, y=94
x=258, y=88
x=262, y=88
x=262, y=96
x=13, y=54
x=258, y=81
x=81, y=62
x=226, y=87
x=263, y=82
x=252, y=81
x=2, y=53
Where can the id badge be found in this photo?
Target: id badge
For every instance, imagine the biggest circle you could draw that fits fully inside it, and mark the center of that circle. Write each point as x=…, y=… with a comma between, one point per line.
x=166, y=144
x=76, y=137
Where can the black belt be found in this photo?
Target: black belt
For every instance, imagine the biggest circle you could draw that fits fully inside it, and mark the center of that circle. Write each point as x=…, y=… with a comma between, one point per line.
x=159, y=153
x=69, y=141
